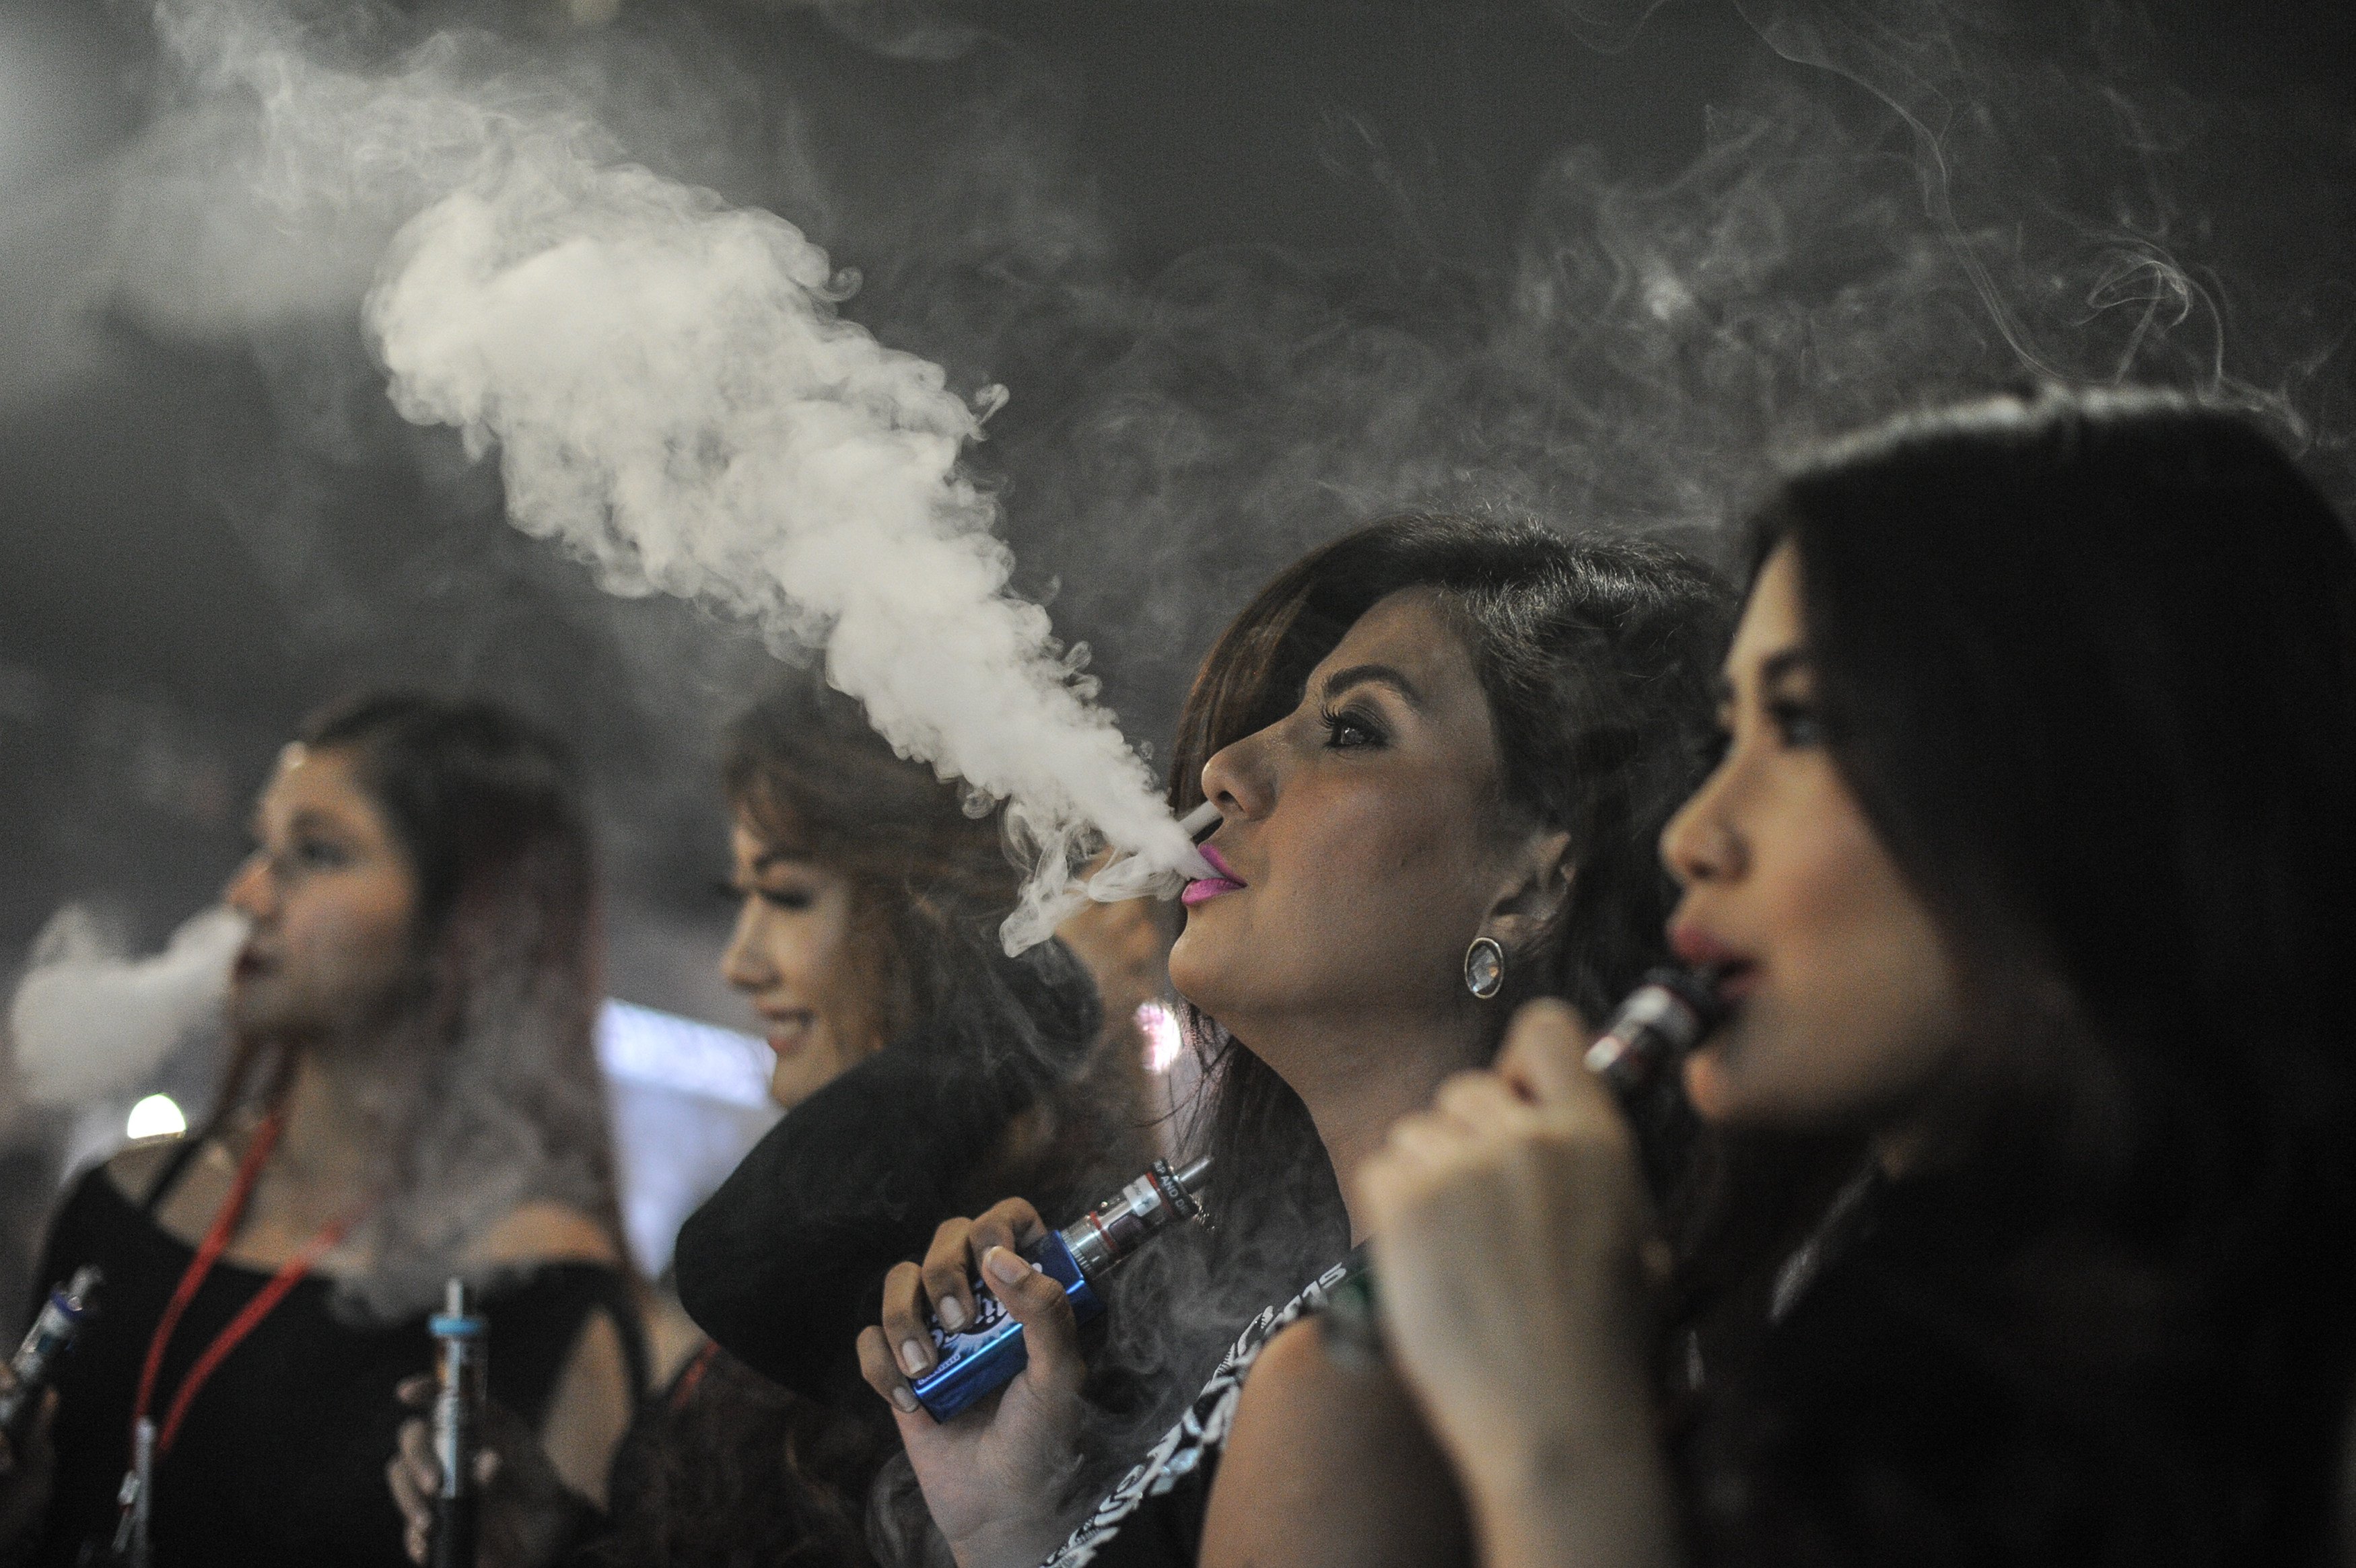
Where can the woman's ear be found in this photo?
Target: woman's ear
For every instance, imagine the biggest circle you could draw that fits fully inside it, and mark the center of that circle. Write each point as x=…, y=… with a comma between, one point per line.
x=1532, y=892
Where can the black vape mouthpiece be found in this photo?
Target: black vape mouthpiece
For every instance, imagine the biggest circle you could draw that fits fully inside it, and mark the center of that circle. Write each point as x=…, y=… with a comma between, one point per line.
x=461, y=1342
x=1662, y=1020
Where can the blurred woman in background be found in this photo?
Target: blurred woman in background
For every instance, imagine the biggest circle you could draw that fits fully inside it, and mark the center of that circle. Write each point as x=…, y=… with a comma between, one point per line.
x=413, y=1094
x=925, y=1073
x=2030, y=871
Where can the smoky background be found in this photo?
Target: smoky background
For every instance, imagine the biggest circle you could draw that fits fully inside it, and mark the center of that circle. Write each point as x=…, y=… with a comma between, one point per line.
x=1252, y=270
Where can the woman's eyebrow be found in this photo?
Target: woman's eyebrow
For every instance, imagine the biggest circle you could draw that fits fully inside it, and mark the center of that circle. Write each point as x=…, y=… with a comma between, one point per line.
x=1340, y=681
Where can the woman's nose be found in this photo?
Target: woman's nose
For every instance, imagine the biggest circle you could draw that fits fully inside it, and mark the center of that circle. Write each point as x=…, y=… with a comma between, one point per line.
x=1237, y=779
x=1699, y=844
x=252, y=891
x=744, y=965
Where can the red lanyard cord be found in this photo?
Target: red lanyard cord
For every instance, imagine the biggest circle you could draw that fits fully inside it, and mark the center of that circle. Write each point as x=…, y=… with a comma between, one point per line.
x=208, y=1253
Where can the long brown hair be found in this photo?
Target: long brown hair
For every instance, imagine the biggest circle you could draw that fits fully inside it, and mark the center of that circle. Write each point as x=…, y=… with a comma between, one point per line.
x=807, y=772
x=491, y=1053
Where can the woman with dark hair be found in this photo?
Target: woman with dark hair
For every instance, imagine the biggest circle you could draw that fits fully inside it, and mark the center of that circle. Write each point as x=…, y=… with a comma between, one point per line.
x=2030, y=868
x=413, y=1094
x=924, y=1072
x=1439, y=747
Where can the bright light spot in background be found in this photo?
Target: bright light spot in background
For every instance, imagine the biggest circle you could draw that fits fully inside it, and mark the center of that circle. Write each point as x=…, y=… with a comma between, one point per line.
x=157, y=1117
x=1163, y=1038
x=667, y=1051
x=687, y=1100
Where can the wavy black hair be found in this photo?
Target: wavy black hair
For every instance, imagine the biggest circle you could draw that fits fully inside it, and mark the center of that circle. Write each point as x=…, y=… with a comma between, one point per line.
x=2087, y=661
x=1597, y=656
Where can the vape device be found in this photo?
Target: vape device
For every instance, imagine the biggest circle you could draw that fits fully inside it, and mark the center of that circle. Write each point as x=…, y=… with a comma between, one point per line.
x=1661, y=1020
x=460, y=1340
x=51, y=1336
x=985, y=1356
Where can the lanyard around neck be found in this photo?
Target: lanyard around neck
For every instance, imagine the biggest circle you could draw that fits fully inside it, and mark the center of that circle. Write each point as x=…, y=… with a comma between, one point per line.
x=208, y=1253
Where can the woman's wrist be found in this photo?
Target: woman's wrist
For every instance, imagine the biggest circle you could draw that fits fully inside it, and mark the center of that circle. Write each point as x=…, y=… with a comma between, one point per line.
x=1571, y=1493
x=1577, y=1476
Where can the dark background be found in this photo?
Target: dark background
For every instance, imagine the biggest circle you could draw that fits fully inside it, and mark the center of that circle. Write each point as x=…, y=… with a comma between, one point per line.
x=1252, y=270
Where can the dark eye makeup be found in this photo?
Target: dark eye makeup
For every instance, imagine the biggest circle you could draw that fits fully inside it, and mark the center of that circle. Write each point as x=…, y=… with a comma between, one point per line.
x=318, y=855
x=1797, y=723
x=789, y=898
x=1350, y=729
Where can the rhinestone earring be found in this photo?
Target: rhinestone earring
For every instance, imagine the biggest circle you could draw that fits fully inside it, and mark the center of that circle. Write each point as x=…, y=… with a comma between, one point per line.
x=1485, y=967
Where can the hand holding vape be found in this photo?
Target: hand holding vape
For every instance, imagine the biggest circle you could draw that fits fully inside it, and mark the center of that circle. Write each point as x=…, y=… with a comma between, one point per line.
x=1648, y=1033
x=51, y=1336
x=985, y=1356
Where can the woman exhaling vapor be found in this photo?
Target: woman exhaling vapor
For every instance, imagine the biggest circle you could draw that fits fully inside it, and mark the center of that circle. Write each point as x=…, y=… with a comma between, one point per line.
x=412, y=1094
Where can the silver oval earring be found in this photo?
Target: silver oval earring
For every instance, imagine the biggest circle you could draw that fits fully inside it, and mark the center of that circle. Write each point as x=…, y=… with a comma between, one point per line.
x=1485, y=967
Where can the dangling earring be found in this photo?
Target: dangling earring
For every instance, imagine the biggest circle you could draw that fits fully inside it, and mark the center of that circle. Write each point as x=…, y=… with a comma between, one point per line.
x=1485, y=967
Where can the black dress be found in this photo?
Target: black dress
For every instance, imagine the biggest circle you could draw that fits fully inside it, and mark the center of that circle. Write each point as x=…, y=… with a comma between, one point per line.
x=784, y=1263
x=281, y=1460
x=1952, y=1384
x=1153, y=1518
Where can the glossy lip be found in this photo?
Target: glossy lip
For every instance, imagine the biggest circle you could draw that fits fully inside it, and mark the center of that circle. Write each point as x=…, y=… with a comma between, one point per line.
x=1734, y=973
x=1202, y=889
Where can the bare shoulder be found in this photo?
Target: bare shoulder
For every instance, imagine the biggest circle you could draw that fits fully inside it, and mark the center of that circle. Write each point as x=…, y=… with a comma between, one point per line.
x=1328, y=1462
x=544, y=1233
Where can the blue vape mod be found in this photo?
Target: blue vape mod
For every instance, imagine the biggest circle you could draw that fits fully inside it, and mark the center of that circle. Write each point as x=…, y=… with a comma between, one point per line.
x=986, y=1354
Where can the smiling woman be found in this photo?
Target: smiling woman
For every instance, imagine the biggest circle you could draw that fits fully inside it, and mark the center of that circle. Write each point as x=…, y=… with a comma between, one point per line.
x=925, y=1072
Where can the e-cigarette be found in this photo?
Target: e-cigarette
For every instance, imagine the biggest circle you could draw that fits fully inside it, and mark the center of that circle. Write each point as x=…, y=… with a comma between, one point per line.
x=985, y=1356
x=1660, y=1022
x=461, y=1342
x=50, y=1337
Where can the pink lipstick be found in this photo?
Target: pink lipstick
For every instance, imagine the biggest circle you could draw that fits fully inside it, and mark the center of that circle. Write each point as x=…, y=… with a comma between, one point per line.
x=1203, y=889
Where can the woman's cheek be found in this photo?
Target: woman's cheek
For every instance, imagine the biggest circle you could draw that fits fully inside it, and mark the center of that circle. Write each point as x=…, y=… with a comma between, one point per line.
x=1707, y=1085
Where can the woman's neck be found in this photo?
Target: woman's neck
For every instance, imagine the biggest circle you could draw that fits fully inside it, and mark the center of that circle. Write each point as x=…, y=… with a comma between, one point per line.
x=335, y=1115
x=1373, y=1072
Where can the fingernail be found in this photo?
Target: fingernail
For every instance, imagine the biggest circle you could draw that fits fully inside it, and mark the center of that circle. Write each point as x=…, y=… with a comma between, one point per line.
x=951, y=1312
x=1005, y=1266
x=905, y=1400
x=912, y=1357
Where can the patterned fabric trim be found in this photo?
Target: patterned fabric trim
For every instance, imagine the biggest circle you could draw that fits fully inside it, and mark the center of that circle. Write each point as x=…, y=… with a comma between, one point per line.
x=1202, y=1431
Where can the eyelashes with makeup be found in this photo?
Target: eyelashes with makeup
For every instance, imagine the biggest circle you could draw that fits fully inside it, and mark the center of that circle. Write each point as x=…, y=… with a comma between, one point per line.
x=1797, y=724
x=309, y=855
x=1350, y=730
x=792, y=900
